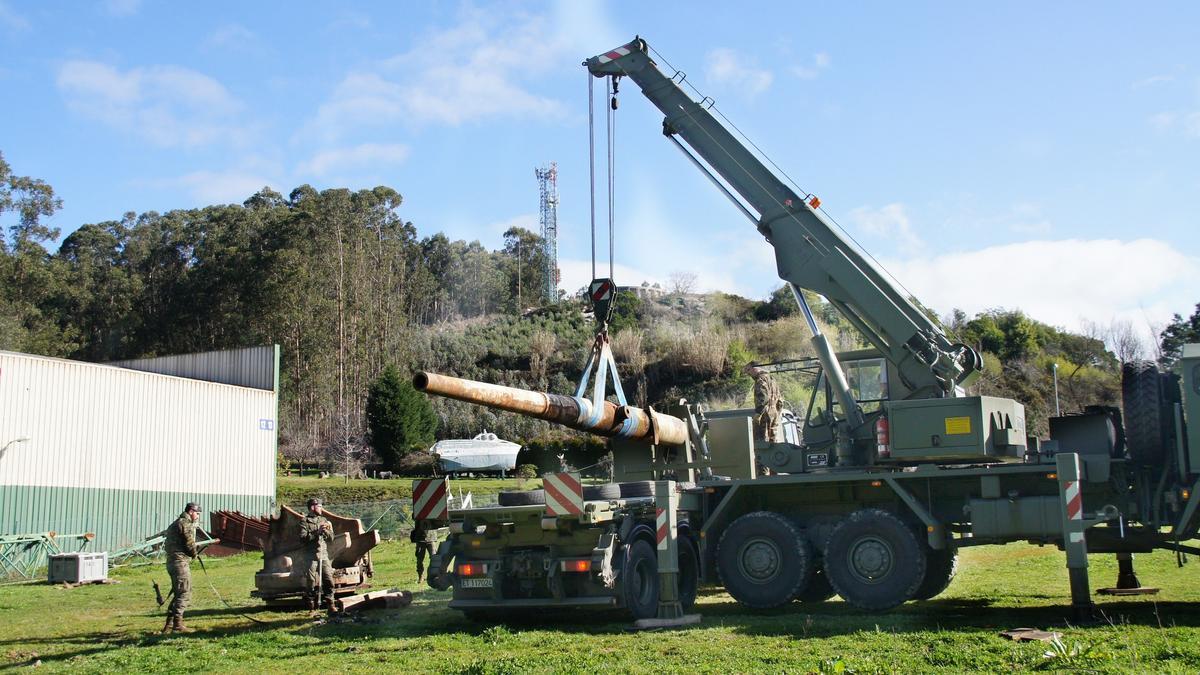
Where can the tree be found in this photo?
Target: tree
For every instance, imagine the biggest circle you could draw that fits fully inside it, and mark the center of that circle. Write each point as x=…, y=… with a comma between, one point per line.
x=680, y=282
x=1178, y=333
x=399, y=418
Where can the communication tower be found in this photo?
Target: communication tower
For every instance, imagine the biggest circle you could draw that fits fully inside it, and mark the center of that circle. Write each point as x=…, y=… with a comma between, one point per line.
x=547, y=177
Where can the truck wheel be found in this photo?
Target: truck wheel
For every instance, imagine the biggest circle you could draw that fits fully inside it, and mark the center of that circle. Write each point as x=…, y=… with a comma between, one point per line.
x=689, y=572
x=1145, y=428
x=940, y=568
x=817, y=590
x=764, y=560
x=526, y=498
x=639, y=580
x=601, y=492
x=874, y=561
x=637, y=488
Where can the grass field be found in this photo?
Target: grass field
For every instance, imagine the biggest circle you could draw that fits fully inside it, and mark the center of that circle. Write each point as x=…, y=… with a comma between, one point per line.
x=111, y=628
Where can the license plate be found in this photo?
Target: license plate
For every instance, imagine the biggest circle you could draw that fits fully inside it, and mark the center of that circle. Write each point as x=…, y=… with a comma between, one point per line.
x=485, y=582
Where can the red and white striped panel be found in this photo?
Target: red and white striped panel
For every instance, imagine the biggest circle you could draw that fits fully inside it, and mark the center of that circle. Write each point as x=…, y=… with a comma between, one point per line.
x=662, y=527
x=1074, y=500
x=564, y=494
x=429, y=499
x=614, y=54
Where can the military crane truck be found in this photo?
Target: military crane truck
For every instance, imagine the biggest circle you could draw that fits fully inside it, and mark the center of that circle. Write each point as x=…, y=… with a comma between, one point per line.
x=891, y=471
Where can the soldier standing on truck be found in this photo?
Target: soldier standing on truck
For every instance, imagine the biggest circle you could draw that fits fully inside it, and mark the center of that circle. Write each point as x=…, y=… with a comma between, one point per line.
x=317, y=533
x=180, y=548
x=418, y=538
x=768, y=405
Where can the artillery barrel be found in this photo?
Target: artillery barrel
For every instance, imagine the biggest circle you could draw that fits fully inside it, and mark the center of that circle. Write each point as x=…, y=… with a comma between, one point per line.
x=603, y=418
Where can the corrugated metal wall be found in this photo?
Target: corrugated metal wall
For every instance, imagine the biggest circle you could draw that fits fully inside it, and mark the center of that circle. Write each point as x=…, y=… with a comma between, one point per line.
x=114, y=451
x=250, y=367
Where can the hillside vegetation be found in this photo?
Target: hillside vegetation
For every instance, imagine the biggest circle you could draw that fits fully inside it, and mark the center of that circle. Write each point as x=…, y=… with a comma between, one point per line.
x=347, y=287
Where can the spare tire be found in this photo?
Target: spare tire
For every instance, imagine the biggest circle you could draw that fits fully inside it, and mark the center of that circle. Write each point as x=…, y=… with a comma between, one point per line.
x=526, y=498
x=1144, y=411
x=601, y=492
x=637, y=488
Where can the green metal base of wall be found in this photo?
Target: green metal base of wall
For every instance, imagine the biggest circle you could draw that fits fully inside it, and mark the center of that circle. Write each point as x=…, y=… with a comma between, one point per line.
x=118, y=518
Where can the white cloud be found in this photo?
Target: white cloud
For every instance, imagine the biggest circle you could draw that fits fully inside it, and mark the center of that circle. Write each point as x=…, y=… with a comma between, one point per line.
x=367, y=155
x=122, y=7
x=168, y=105
x=889, y=222
x=485, y=66
x=1059, y=282
x=1152, y=80
x=12, y=20
x=820, y=62
x=1188, y=123
x=728, y=68
x=220, y=187
x=576, y=274
x=233, y=35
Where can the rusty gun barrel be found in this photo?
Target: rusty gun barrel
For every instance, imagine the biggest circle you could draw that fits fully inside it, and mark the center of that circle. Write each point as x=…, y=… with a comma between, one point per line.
x=603, y=418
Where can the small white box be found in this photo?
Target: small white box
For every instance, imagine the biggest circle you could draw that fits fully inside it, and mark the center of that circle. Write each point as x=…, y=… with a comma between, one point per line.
x=77, y=568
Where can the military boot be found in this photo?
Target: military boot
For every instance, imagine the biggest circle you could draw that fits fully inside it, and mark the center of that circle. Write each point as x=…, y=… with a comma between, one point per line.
x=166, y=625
x=178, y=627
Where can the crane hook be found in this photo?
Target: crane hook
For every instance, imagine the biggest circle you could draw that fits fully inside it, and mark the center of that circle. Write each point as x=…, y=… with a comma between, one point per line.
x=615, y=80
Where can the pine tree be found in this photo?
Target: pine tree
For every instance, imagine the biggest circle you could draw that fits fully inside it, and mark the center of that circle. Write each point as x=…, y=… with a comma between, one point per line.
x=399, y=418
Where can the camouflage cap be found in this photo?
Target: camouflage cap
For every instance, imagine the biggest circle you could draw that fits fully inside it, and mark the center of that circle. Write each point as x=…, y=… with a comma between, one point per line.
x=193, y=506
x=314, y=501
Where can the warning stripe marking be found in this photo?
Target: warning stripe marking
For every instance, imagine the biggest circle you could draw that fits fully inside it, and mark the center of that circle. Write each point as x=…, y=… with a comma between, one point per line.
x=1074, y=500
x=614, y=54
x=602, y=291
x=564, y=494
x=429, y=499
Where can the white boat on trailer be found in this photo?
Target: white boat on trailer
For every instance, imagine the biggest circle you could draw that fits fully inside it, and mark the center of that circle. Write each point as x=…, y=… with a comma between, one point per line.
x=487, y=452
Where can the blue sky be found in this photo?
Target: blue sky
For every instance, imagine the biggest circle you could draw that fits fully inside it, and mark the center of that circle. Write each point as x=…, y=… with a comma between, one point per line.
x=1021, y=156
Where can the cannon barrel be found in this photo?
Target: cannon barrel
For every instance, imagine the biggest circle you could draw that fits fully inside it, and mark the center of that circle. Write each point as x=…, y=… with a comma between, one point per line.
x=603, y=418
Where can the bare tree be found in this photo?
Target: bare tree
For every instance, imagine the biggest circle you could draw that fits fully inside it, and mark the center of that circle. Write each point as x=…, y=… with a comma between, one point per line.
x=681, y=282
x=1124, y=341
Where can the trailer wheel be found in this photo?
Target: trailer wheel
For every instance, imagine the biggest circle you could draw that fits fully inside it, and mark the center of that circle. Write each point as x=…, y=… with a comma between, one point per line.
x=874, y=561
x=639, y=580
x=689, y=572
x=940, y=568
x=601, y=492
x=764, y=560
x=817, y=590
x=526, y=498
x=1145, y=428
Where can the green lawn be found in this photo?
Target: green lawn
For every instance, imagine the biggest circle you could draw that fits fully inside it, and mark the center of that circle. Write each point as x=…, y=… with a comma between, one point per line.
x=111, y=628
x=295, y=491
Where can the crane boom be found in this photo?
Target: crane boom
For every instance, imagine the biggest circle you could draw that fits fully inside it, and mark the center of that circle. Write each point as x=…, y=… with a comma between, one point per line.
x=810, y=252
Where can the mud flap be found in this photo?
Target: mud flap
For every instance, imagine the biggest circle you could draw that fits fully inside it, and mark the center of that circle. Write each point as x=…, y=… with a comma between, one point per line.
x=602, y=560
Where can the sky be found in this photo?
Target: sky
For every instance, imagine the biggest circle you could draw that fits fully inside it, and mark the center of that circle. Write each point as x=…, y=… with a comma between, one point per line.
x=1034, y=156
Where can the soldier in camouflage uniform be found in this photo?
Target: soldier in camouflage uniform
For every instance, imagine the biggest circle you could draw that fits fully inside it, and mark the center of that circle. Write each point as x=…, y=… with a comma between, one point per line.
x=424, y=547
x=317, y=533
x=180, y=547
x=768, y=405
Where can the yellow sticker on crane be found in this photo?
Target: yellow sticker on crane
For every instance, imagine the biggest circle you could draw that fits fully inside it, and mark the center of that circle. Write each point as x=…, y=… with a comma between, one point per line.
x=958, y=425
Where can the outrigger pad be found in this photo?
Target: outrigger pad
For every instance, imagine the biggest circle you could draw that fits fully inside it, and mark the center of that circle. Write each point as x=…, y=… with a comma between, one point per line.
x=665, y=624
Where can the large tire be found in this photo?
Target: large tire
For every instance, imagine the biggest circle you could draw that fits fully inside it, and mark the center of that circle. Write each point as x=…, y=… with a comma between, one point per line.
x=526, y=498
x=764, y=560
x=940, y=568
x=874, y=561
x=639, y=580
x=689, y=572
x=601, y=492
x=818, y=589
x=637, y=488
x=1143, y=398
